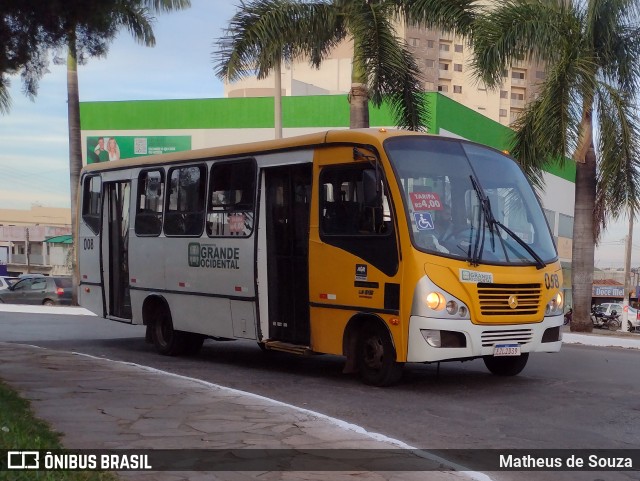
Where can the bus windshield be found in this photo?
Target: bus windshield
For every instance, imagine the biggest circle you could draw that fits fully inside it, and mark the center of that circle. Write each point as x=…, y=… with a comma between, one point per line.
x=471, y=202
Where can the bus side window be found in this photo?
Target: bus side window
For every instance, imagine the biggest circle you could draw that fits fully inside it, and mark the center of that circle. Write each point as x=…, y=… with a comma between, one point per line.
x=91, y=202
x=232, y=194
x=344, y=209
x=185, y=201
x=150, y=203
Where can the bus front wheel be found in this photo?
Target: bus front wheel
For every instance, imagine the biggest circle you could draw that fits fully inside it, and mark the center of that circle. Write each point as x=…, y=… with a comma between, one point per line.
x=506, y=366
x=377, y=357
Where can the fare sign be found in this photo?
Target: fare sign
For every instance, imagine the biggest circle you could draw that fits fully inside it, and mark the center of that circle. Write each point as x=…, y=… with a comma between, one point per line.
x=425, y=201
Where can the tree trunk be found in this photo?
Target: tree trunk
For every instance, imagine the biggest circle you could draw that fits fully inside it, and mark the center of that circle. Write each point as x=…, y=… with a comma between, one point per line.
x=75, y=148
x=277, y=101
x=359, y=94
x=583, y=243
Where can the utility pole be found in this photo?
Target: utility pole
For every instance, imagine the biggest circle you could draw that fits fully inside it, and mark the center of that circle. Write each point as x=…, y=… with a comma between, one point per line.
x=627, y=275
x=27, y=249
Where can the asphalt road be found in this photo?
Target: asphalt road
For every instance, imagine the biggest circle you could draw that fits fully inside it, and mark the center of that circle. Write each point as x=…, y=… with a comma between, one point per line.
x=583, y=397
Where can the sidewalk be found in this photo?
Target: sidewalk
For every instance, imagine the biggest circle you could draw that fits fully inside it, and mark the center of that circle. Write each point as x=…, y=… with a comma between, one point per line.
x=103, y=404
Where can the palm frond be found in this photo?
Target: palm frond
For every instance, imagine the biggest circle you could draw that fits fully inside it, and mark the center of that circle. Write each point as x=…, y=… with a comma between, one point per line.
x=138, y=21
x=5, y=99
x=391, y=71
x=166, y=5
x=547, y=132
x=265, y=32
x=618, y=189
x=455, y=16
x=520, y=29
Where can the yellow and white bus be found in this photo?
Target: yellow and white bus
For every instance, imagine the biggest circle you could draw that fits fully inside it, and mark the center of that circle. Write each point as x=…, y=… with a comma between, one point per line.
x=385, y=247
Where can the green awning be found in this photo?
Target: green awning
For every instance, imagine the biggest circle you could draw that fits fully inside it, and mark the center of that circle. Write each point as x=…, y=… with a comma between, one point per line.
x=61, y=239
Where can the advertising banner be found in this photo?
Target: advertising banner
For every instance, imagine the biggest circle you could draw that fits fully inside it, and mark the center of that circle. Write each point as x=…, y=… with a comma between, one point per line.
x=106, y=148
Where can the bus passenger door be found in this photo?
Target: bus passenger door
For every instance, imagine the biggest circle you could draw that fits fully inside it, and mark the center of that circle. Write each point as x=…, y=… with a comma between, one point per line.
x=115, y=245
x=288, y=200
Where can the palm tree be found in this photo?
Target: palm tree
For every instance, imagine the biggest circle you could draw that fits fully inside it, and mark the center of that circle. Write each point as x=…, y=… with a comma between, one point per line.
x=591, y=49
x=90, y=36
x=263, y=33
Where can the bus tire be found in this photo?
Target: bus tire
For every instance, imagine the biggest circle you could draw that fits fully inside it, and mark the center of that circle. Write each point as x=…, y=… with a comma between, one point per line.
x=506, y=366
x=376, y=357
x=166, y=339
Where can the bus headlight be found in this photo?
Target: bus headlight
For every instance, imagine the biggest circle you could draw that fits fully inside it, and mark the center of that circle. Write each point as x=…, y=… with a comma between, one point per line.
x=431, y=300
x=555, y=306
x=435, y=301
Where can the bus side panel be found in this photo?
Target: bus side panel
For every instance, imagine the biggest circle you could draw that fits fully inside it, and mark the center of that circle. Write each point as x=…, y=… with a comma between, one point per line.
x=210, y=316
x=204, y=274
x=146, y=270
x=89, y=269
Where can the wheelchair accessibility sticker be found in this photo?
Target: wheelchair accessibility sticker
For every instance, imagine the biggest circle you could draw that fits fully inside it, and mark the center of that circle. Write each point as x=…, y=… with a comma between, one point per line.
x=423, y=220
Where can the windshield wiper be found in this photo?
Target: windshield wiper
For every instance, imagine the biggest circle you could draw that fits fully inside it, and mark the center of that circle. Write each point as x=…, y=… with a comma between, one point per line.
x=493, y=224
x=485, y=213
x=540, y=264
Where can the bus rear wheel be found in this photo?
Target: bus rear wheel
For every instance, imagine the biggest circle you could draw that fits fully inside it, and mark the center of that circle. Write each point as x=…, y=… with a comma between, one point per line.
x=377, y=357
x=506, y=366
x=166, y=339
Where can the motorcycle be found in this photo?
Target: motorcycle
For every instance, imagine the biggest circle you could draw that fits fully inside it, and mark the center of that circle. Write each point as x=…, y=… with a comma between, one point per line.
x=567, y=317
x=604, y=321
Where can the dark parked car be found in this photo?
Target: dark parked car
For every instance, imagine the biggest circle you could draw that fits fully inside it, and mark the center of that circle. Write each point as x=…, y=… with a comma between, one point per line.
x=49, y=291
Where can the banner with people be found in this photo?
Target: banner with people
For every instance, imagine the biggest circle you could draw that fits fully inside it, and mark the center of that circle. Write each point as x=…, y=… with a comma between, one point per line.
x=106, y=148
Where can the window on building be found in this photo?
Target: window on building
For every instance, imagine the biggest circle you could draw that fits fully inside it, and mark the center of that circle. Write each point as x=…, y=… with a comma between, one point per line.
x=91, y=202
x=443, y=88
x=540, y=75
x=150, y=202
x=458, y=47
x=517, y=75
x=185, y=201
x=457, y=67
x=517, y=96
x=430, y=43
x=443, y=66
x=565, y=226
x=429, y=86
x=414, y=42
x=503, y=112
x=504, y=94
x=444, y=47
x=232, y=198
x=429, y=63
x=457, y=89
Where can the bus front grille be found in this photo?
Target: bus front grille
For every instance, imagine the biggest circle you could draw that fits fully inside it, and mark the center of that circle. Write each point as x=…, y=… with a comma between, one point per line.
x=521, y=336
x=509, y=299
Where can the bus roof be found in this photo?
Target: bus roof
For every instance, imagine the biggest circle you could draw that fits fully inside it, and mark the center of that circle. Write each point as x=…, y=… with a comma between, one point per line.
x=359, y=136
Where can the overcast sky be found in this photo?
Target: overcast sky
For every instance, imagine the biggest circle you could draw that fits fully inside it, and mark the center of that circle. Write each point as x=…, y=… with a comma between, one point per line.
x=34, y=140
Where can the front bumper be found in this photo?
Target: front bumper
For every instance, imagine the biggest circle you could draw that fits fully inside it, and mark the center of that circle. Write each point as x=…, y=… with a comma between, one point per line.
x=479, y=340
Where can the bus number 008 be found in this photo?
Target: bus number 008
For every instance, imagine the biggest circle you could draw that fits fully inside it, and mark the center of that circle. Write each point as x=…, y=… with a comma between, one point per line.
x=88, y=244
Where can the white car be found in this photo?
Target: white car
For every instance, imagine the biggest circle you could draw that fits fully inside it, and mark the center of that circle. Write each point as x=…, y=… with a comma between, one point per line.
x=6, y=282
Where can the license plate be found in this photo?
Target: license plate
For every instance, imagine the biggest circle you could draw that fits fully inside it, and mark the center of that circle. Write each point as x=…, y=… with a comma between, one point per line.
x=506, y=350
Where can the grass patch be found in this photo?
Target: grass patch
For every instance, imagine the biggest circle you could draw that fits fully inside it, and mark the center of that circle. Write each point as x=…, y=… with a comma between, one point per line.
x=20, y=429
